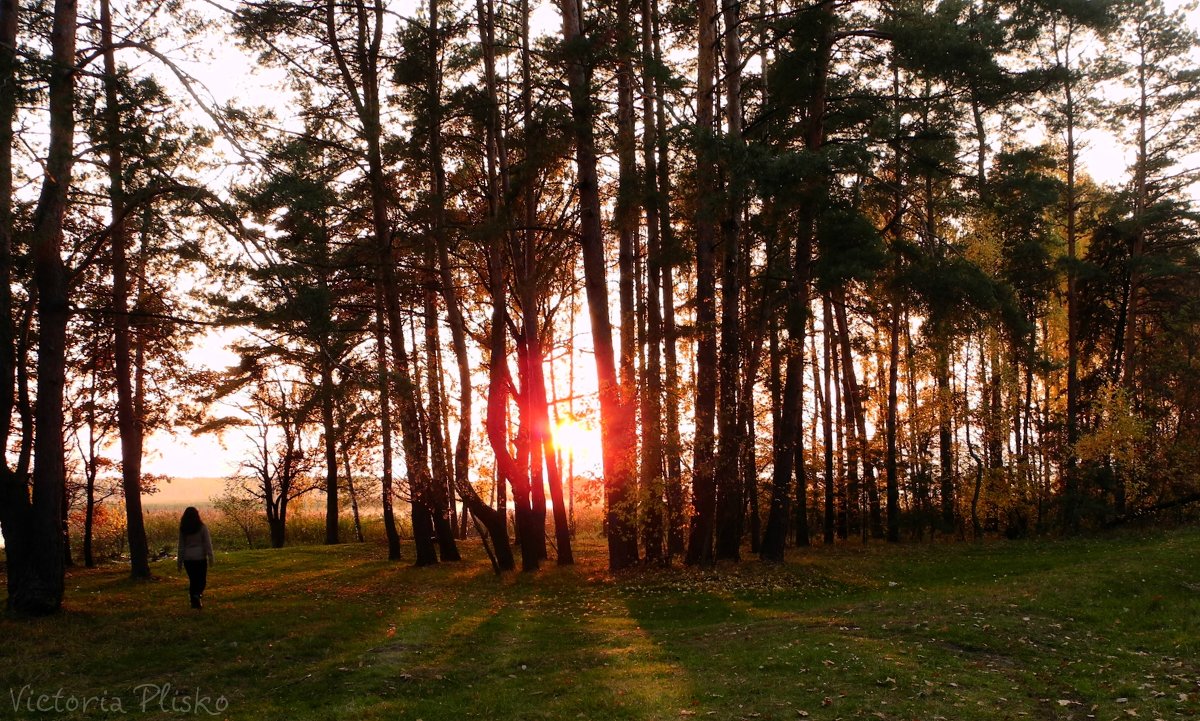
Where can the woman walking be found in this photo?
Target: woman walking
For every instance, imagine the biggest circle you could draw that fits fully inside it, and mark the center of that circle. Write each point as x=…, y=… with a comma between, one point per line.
x=195, y=553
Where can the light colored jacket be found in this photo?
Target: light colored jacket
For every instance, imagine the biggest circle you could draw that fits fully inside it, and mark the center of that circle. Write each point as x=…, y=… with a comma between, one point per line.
x=195, y=547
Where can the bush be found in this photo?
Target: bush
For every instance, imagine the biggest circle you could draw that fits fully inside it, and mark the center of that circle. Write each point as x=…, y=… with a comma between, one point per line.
x=108, y=532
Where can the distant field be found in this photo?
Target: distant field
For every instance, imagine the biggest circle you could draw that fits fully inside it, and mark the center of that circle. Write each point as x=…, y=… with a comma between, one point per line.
x=183, y=492
x=1084, y=629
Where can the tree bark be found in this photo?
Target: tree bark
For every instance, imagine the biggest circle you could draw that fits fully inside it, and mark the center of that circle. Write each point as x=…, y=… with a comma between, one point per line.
x=799, y=279
x=825, y=398
x=14, y=479
x=653, y=486
x=348, y=470
x=535, y=409
x=892, y=461
x=128, y=425
x=365, y=98
x=857, y=425
x=729, y=481
x=945, y=437
x=385, y=426
x=700, y=537
x=499, y=383
x=544, y=443
x=672, y=446
x=438, y=500
x=628, y=207
x=617, y=429
x=1071, y=499
x=330, y=430
x=39, y=587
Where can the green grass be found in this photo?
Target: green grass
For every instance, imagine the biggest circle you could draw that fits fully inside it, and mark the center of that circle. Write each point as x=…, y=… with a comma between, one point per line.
x=1094, y=628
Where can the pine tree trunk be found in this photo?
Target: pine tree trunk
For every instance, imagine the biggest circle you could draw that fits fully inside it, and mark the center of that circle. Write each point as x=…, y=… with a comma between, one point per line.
x=491, y=519
x=385, y=426
x=14, y=481
x=534, y=414
x=508, y=467
x=39, y=585
x=892, y=461
x=672, y=446
x=348, y=469
x=330, y=432
x=617, y=424
x=90, y=471
x=825, y=399
x=857, y=426
x=627, y=210
x=996, y=432
x=545, y=452
x=8, y=336
x=653, y=486
x=945, y=436
x=799, y=279
x=438, y=501
x=701, y=531
x=1071, y=491
x=729, y=481
x=129, y=426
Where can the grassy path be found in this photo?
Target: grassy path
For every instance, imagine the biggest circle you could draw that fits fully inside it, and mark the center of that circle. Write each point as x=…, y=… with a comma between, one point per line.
x=1087, y=629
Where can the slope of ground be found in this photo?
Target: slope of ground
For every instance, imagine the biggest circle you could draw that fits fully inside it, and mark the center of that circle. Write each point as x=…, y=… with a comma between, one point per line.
x=1085, y=629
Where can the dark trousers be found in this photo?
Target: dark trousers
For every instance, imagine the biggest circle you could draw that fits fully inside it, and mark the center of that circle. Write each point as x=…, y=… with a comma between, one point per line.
x=197, y=572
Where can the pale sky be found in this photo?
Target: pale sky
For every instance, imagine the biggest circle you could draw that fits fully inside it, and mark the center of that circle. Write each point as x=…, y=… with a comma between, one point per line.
x=232, y=74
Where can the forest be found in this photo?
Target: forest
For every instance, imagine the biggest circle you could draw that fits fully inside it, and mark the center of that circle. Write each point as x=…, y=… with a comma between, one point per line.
x=820, y=272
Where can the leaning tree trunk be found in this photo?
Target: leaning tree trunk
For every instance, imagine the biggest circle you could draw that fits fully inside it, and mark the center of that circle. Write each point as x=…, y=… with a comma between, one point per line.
x=458, y=334
x=544, y=442
x=385, y=425
x=496, y=422
x=856, y=426
x=508, y=468
x=438, y=500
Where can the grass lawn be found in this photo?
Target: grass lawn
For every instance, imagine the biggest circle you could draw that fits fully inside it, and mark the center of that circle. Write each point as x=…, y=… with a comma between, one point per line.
x=1104, y=628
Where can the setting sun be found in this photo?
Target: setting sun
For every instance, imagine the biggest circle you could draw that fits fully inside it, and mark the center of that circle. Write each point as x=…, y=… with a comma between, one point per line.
x=579, y=440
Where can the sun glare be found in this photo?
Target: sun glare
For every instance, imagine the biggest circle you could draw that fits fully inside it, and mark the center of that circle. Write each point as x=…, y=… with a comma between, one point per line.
x=580, y=440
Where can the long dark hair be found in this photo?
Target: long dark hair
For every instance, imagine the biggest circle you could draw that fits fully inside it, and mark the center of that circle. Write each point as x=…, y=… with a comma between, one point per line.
x=190, y=523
